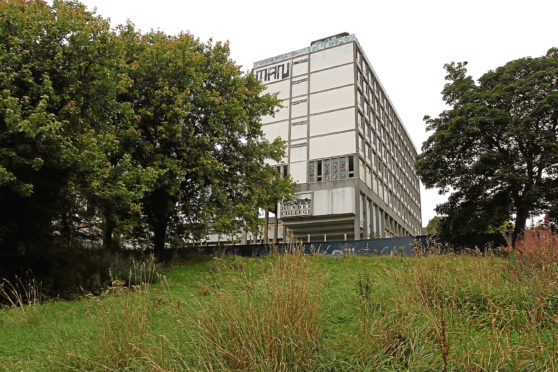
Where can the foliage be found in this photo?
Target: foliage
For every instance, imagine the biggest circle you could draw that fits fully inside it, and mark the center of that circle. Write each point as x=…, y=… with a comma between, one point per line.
x=112, y=137
x=496, y=148
x=433, y=227
x=199, y=119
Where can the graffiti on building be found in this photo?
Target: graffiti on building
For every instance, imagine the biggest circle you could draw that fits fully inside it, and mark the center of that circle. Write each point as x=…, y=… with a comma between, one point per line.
x=322, y=44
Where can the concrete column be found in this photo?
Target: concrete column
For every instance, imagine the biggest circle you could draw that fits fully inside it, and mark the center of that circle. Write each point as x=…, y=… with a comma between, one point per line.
x=357, y=214
x=382, y=224
x=368, y=218
x=375, y=220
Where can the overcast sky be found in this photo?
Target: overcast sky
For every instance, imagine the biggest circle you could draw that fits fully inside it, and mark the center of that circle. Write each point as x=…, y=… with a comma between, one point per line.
x=407, y=42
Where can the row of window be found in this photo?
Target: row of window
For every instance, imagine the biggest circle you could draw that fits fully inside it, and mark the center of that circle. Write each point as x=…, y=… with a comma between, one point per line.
x=378, y=102
x=331, y=169
x=340, y=168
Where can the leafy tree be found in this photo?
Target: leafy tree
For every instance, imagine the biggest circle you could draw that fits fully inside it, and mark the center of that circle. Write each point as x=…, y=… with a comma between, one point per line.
x=64, y=132
x=496, y=148
x=433, y=227
x=199, y=119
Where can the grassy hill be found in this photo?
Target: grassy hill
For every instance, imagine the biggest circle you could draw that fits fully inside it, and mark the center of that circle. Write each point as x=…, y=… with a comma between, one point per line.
x=306, y=313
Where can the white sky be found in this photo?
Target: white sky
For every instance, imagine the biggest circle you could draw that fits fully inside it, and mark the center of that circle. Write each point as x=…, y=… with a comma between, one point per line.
x=408, y=42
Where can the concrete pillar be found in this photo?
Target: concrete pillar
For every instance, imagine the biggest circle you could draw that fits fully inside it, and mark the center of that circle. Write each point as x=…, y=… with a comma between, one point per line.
x=375, y=220
x=368, y=218
x=382, y=224
x=276, y=229
x=357, y=214
x=266, y=230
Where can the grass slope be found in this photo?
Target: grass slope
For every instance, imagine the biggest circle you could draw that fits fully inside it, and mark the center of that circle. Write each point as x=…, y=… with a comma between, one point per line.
x=295, y=312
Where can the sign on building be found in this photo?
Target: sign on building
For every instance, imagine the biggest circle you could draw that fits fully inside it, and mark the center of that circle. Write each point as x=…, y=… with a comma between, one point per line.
x=301, y=205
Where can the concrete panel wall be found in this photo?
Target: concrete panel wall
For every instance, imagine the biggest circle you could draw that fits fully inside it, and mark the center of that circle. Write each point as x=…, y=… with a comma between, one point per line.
x=335, y=201
x=300, y=86
x=298, y=151
x=331, y=122
x=321, y=204
x=299, y=107
x=280, y=129
x=300, y=65
x=343, y=200
x=281, y=114
x=298, y=171
x=331, y=57
x=332, y=78
x=332, y=145
x=332, y=99
x=298, y=130
x=281, y=87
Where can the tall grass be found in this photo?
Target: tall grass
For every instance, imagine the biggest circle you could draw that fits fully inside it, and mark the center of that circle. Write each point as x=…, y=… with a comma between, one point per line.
x=465, y=312
x=124, y=309
x=271, y=323
x=294, y=312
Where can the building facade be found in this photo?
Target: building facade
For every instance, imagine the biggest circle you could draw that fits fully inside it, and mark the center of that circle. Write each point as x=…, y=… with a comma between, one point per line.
x=348, y=151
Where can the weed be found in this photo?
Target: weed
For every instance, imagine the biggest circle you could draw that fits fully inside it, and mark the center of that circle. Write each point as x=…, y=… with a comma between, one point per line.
x=269, y=324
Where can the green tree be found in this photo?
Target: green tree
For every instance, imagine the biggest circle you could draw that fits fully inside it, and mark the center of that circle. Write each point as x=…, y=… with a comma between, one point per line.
x=496, y=149
x=433, y=227
x=199, y=119
x=63, y=164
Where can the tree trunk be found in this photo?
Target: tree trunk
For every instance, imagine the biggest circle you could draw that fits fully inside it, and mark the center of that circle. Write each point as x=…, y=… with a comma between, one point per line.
x=275, y=231
x=520, y=222
x=108, y=243
x=160, y=235
x=158, y=210
x=266, y=230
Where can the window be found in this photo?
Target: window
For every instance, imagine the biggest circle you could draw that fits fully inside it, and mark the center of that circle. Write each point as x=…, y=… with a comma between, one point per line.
x=312, y=172
x=351, y=166
x=342, y=168
x=360, y=144
x=319, y=178
x=359, y=99
x=327, y=170
x=359, y=120
x=335, y=169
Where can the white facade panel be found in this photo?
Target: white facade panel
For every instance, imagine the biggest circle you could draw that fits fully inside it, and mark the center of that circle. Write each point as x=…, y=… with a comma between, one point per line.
x=299, y=130
x=281, y=88
x=332, y=145
x=298, y=171
x=281, y=114
x=332, y=99
x=343, y=200
x=300, y=65
x=299, y=107
x=272, y=131
x=300, y=86
x=298, y=151
x=331, y=122
x=321, y=205
x=331, y=57
x=332, y=78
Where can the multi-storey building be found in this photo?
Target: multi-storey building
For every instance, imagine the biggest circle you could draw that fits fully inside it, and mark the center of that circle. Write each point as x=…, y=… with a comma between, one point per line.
x=348, y=150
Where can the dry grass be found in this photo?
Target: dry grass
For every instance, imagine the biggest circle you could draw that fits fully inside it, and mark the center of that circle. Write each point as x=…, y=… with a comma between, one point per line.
x=271, y=323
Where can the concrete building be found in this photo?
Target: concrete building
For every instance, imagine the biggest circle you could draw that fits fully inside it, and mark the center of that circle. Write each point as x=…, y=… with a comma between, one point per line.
x=348, y=150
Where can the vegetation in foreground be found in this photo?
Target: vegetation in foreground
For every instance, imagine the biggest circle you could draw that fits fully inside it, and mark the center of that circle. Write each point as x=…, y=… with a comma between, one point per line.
x=307, y=313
